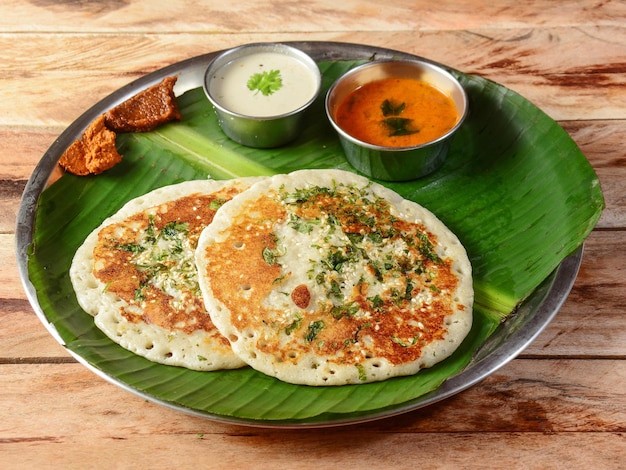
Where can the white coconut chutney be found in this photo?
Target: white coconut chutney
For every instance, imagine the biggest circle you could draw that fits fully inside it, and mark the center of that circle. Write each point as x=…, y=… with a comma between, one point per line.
x=229, y=85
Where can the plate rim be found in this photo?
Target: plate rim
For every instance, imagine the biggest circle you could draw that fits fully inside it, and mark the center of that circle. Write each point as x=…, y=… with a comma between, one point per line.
x=556, y=287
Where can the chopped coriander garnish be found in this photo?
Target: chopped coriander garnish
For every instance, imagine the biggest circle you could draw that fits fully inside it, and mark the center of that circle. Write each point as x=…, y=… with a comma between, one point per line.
x=140, y=294
x=376, y=238
x=294, y=325
x=303, y=225
x=151, y=230
x=408, y=292
x=413, y=342
x=269, y=256
x=340, y=311
x=279, y=279
x=215, y=204
x=362, y=374
x=335, y=289
x=426, y=248
x=174, y=228
x=131, y=247
x=313, y=330
x=358, y=330
x=376, y=302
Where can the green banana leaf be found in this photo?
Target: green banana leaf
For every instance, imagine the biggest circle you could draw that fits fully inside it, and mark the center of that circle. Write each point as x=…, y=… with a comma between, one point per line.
x=515, y=189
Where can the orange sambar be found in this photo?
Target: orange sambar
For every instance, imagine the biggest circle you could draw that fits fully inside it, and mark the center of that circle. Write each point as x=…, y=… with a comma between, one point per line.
x=397, y=112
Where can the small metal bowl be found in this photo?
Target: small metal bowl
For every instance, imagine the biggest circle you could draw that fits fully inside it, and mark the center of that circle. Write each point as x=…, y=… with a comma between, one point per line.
x=396, y=163
x=258, y=129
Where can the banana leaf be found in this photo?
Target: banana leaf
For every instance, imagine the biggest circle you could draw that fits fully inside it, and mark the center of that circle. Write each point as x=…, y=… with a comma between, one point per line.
x=515, y=189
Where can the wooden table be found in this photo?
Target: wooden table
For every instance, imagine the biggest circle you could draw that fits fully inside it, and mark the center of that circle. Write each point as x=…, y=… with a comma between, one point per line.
x=561, y=404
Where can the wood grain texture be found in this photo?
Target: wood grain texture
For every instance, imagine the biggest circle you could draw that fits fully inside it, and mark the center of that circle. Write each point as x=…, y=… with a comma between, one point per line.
x=562, y=395
x=306, y=450
x=531, y=411
x=270, y=16
x=533, y=62
x=591, y=322
x=560, y=404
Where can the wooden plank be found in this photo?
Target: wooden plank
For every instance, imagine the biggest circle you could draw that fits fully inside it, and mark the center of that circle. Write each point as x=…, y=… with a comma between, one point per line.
x=525, y=396
x=537, y=396
x=24, y=338
x=10, y=283
x=332, y=449
x=540, y=51
x=21, y=150
x=189, y=16
x=315, y=15
x=591, y=321
x=535, y=63
x=596, y=140
x=531, y=412
x=10, y=194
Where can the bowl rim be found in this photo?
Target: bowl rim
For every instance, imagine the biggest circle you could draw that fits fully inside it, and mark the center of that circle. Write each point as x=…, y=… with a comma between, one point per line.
x=234, y=53
x=377, y=63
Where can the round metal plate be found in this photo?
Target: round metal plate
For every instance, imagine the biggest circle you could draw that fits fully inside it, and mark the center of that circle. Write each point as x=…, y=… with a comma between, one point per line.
x=512, y=337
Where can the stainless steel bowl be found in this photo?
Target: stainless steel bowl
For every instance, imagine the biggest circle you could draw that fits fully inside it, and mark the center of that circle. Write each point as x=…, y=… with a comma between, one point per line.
x=263, y=131
x=396, y=163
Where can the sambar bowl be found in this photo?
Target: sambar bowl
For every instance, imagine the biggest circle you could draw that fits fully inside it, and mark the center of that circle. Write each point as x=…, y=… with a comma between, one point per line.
x=395, y=162
x=260, y=92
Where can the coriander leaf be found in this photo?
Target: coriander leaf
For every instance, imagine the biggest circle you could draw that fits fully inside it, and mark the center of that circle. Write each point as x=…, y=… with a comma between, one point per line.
x=265, y=82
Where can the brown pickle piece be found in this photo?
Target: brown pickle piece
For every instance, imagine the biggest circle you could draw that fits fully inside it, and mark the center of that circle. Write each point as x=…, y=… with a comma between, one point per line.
x=93, y=153
x=146, y=110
